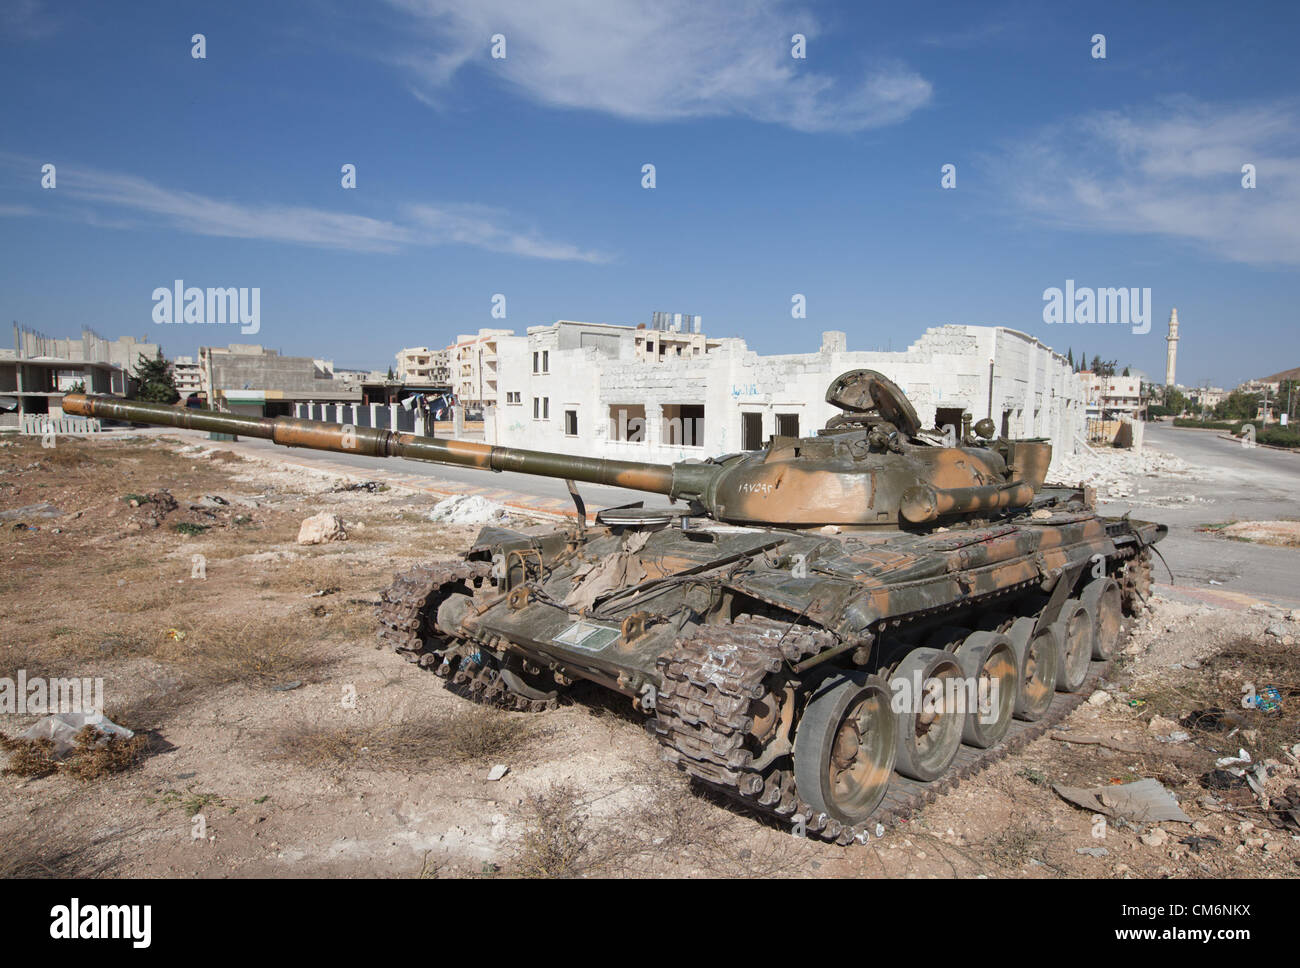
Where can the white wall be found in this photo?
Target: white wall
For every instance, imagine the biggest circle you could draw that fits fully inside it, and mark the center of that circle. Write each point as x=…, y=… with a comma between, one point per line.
x=948, y=366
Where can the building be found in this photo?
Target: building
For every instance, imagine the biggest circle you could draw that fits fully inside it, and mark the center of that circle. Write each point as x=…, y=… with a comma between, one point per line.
x=1110, y=397
x=188, y=376
x=40, y=369
x=597, y=390
x=247, y=378
x=419, y=364
x=1206, y=398
x=474, y=366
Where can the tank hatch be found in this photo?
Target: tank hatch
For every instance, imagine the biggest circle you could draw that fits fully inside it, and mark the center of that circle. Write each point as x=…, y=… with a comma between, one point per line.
x=867, y=391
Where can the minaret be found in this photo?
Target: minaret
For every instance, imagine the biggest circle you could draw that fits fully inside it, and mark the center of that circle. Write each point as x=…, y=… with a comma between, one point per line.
x=1171, y=355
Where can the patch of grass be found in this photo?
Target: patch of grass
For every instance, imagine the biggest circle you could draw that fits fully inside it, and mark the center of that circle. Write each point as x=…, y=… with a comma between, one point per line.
x=88, y=760
x=37, y=851
x=260, y=650
x=555, y=839
x=1016, y=844
x=476, y=735
x=186, y=528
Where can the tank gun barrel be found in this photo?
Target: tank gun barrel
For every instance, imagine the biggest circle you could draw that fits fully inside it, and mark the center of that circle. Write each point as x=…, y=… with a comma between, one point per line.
x=372, y=442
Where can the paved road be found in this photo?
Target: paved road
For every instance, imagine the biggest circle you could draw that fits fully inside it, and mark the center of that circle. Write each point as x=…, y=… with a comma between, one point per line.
x=1235, y=484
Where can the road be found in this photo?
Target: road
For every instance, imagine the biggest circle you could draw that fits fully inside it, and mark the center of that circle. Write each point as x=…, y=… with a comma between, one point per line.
x=1236, y=484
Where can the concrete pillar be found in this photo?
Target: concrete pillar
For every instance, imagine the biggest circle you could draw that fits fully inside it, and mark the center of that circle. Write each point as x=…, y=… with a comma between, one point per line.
x=353, y=408
x=654, y=425
x=458, y=422
x=419, y=425
x=374, y=415
x=392, y=416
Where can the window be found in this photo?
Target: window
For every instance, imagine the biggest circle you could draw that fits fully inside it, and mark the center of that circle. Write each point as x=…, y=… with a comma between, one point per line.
x=787, y=425
x=683, y=424
x=546, y=408
x=536, y=357
x=546, y=361
x=627, y=422
x=571, y=423
x=537, y=408
x=751, y=431
x=513, y=397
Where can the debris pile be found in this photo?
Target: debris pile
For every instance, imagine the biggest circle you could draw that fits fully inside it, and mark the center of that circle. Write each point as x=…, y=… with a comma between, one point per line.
x=468, y=509
x=1115, y=473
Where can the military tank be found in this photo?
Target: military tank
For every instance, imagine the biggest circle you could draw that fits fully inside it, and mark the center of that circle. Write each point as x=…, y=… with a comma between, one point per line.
x=831, y=630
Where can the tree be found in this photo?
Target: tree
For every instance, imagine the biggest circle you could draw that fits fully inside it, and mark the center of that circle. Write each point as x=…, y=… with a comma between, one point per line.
x=1069, y=358
x=1103, y=367
x=154, y=380
x=1126, y=371
x=1238, y=406
x=390, y=373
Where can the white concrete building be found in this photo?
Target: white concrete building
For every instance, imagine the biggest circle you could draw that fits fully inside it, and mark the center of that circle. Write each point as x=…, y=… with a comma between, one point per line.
x=1112, y=397
x=419, y=364
x=585, y=388
x=188, y=376
x=473, y=360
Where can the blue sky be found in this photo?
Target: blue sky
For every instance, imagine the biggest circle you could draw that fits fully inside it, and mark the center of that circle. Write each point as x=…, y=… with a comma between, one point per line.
x=774, y=175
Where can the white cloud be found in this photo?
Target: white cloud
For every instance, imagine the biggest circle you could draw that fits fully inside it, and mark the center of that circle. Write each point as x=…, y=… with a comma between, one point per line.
x=149, y=204
x=1172, y=170
x=656, y=60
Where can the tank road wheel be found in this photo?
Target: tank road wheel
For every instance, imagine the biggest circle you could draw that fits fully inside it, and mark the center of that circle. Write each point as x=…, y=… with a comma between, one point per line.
x=1036, y=658
x=1074, y=645
x=844, y=749
x=929, y=727
x=1104, y=598
x=1135, y=583
x=990, y=665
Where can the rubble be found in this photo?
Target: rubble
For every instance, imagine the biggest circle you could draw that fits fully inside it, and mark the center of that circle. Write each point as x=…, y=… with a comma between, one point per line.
x=468, y=509
x=1114, y=473
x=320, y=528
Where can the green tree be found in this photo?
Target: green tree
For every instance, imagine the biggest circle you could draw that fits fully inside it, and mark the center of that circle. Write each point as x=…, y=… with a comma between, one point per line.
x=1238, y=406
x=390, y=373
x=154, y=381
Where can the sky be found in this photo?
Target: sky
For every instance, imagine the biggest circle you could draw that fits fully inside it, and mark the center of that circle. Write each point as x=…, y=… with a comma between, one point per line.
x=775, y=175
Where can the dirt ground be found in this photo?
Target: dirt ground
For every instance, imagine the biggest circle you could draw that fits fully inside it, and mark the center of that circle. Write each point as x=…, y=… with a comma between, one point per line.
x=282, y=742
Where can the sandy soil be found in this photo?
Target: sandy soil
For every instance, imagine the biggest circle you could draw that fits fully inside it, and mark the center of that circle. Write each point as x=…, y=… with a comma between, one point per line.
x=284, y=743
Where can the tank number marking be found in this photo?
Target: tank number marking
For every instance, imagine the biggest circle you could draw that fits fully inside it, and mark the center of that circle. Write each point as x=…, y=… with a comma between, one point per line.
x=757, y=488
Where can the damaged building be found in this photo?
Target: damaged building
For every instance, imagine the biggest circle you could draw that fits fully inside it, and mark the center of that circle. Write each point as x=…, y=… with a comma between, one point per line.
x=670, y=394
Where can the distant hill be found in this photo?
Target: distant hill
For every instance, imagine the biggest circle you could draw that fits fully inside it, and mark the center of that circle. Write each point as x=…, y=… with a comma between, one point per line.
x=1291, y=374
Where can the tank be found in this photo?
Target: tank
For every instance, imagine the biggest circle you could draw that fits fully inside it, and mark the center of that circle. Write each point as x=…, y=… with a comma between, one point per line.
x=832, y=630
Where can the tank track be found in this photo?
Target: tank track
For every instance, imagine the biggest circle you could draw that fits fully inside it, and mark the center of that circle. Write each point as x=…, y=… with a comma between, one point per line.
x=405, y=610
x=711, y=683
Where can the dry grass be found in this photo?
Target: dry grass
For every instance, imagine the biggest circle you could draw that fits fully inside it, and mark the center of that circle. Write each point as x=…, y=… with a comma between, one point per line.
x=474, y=735
x=556, y=839
x=40, y=852
x=89, y=760
x=261, y=650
